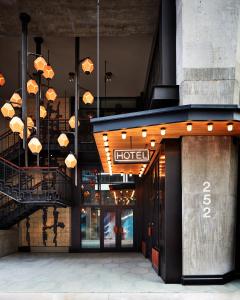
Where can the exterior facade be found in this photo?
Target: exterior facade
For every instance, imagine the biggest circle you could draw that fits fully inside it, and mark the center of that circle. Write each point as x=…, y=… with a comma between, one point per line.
x=156, y=174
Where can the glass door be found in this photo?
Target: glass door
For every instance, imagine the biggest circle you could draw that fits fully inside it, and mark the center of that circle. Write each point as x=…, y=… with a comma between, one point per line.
x=109, y=228
x=126, y=228
x=117, y=228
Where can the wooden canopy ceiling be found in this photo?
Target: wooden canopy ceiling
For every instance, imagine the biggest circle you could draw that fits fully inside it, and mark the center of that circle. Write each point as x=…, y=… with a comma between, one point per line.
x=135, y=140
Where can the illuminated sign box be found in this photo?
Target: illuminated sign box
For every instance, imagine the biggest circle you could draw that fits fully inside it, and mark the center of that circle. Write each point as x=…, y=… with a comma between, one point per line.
x=130, y=156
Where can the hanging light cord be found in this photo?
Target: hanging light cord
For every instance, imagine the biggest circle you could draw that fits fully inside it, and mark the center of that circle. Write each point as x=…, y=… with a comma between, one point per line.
x=98, y=83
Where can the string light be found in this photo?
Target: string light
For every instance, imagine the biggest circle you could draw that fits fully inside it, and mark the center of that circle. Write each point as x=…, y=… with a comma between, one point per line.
x=105, y=137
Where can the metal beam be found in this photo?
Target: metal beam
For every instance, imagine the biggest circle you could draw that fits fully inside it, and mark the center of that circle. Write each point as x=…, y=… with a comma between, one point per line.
x=77, y=42
x=38, y=41
x=25, y=19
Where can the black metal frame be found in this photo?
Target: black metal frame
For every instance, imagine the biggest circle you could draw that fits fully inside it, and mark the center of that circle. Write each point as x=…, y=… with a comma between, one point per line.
x=174, y=114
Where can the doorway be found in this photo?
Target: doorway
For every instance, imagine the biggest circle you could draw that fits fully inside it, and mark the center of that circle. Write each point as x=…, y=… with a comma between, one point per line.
x=108, y=228
x=117, y=230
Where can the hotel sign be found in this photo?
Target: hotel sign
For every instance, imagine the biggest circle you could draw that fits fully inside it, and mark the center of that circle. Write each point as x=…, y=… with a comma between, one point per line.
x=130, y=156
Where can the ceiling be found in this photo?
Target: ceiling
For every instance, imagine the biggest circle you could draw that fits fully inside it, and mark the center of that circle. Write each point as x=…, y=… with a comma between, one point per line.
x=68, y=18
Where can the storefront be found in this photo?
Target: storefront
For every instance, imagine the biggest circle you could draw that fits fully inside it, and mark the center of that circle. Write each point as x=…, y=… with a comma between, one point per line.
x=186, y=191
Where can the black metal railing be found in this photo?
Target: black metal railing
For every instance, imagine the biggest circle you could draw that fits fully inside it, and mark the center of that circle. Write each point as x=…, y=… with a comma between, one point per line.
x=34, y=185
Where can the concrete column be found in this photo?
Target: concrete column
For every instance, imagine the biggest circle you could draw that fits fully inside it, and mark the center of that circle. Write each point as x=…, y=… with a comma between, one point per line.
x=209, y=198
x=207, y=39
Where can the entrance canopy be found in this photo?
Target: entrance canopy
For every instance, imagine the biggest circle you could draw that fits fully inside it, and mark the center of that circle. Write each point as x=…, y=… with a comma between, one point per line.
x=139, y=131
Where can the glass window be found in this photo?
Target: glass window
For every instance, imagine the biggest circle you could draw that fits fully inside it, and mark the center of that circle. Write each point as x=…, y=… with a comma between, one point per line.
x=90, y=227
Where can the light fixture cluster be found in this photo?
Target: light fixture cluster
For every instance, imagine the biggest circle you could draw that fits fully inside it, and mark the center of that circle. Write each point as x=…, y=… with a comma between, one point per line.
x=142, y=169
x=63, y=141
x=8, y=110
x=107, y=151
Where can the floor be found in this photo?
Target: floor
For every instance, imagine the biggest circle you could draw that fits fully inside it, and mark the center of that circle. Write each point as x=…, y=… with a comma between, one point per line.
x=103, y=276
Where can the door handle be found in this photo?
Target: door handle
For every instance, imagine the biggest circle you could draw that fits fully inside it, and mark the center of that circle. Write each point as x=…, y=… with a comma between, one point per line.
x=115, y=229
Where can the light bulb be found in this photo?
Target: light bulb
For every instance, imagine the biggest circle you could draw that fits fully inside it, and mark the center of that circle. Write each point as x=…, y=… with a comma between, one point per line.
x=153, y=143
x=163, y=131
x=124, y=135
x=105, y=137
x=105, y=143
x=210, y=126
x=189, y=127
x=107, y=149
x=144, y=133
x=230, y=126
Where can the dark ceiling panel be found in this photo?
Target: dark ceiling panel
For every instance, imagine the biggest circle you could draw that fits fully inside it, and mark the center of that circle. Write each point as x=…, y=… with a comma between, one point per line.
x=78, y=17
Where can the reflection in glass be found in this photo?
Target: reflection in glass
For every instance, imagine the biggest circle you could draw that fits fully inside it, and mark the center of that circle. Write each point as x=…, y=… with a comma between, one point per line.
x=109, y=223
x=90, y=227
x=124, y=196
x=127, y=227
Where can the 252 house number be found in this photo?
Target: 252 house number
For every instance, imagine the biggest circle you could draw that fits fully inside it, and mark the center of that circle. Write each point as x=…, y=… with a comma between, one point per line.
x=206, y=199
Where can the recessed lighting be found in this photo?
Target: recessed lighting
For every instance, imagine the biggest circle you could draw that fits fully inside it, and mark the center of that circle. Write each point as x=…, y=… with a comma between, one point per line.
x=153, y=143
x=163, y=131
x=189, y=127
x=210, y=126
x=105, y=137
x=124, y=135
x=230, y=126
x=144, y=133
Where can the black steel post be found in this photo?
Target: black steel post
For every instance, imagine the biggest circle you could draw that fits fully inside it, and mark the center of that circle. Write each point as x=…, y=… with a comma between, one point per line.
x=25, y=19
x=38, y=41
x=77, y=40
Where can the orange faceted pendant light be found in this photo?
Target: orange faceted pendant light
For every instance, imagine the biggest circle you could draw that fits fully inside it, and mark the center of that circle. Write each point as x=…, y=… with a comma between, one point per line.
x=32, y=87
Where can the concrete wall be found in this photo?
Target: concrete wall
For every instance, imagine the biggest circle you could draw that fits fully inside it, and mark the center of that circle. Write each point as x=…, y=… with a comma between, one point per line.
x=8, y=241
x=207, y=42
x=208, y=238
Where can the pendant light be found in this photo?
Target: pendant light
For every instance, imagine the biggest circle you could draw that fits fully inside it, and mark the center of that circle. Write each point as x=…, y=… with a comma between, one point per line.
x=28, y=134
x=51, y=95
x=87, y=66
x=30, y=123
x=48, y=72
x=7, y=110
x=16, y=100
x=63, y=140
x=71, y=161
x=16, y=124
x=39, y=64
x=32, y=87
x=2, y=80
x=34, y=145
x=72, y=122
x=88, y=98
x=43, y=112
